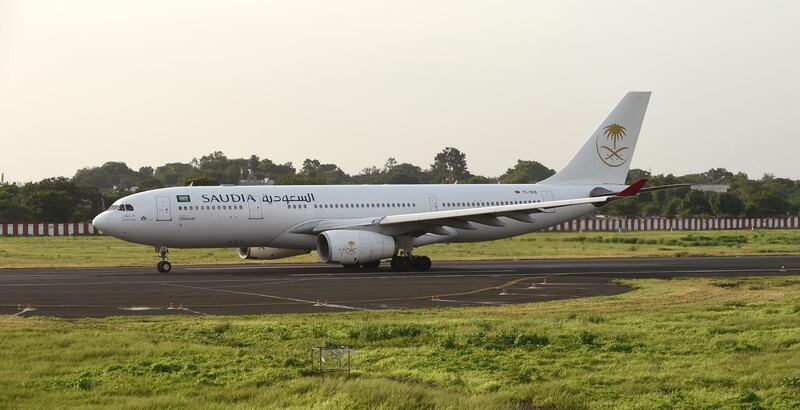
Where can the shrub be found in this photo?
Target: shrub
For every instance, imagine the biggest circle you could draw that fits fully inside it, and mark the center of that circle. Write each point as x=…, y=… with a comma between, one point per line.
x=594, y=319
x=791, y=382
x=449, y=342
x=221, y=328
x=749, y=401
x=587, y=338
x=506, y=340
x=165, y=367
x=84, y=382
x=372, y=333
x=620, y=348
x=531, y=340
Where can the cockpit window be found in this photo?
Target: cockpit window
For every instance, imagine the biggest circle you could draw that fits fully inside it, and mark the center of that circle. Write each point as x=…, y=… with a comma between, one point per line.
x=129, y=207
x=121, y=208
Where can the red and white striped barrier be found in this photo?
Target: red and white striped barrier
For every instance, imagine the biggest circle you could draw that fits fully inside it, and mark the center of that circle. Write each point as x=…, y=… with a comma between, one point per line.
x=680, y=224
x=576, y=225
x=48, y=229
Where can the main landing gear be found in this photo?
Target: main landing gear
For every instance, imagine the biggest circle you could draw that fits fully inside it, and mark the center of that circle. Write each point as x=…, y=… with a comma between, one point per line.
x=163, y=265
x=411, y=262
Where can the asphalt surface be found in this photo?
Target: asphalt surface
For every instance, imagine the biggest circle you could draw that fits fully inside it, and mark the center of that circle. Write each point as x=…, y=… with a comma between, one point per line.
x=251, y=289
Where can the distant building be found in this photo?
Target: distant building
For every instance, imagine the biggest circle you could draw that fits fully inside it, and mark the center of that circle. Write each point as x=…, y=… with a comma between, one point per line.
x=256, y=181
x=711, y=188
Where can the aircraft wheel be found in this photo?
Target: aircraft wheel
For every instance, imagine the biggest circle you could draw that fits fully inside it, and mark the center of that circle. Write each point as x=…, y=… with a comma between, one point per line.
x=401, y=264
x=164, y=266
x=422, y=263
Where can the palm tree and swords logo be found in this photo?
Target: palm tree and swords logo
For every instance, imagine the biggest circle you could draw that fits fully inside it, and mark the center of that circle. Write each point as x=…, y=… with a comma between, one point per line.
x=612, y=155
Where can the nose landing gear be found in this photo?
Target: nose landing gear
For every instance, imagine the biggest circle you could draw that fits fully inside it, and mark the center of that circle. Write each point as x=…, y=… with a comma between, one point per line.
x=163, y=265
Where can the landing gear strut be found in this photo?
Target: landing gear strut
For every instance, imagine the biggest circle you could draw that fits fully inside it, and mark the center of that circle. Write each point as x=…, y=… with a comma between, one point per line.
x=163, y=265
x=411, y=262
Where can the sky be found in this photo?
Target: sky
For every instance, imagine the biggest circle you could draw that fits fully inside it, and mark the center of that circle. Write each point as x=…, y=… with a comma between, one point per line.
x=355, y=82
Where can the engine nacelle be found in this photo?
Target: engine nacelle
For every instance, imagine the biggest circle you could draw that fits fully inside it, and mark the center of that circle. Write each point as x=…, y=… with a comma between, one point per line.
x=354, y=247
x=266, y=253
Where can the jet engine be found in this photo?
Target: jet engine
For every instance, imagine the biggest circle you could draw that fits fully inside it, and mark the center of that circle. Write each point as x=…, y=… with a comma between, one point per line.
x=265, y=253
x=354, y=247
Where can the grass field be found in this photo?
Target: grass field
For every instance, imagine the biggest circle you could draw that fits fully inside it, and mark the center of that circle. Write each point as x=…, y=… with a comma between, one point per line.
x=684, y=343
x=18, y=252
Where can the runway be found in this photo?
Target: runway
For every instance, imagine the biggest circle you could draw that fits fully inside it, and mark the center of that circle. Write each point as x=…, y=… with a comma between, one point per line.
x=282, y=288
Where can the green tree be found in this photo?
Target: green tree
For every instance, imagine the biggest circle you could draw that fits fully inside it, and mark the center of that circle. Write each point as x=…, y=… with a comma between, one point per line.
x=60, y=200
x=695, y=204
x=202, y=181
x=526, y=172
x=108, y=175
x=449, y=166
x=405, y=173
x=299, y=179
x=175, y=173
x=146, y=171
x=726, y=204
x=329, y=174
x=148, y=184
x=269, y=169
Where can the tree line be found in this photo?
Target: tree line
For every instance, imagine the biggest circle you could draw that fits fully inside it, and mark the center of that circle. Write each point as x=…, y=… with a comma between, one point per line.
x=91, y=189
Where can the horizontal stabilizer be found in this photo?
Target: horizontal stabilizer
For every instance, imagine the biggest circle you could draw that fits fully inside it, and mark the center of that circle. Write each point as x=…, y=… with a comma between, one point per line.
x=633, y=189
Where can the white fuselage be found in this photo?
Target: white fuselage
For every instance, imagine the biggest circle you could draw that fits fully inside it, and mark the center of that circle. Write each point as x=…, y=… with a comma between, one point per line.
x=250, y=216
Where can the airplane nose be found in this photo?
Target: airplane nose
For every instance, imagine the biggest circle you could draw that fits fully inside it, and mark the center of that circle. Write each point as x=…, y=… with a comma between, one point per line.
x=101, y=221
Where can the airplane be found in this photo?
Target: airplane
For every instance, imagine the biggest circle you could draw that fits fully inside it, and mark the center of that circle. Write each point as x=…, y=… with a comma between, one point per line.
x=358, y=226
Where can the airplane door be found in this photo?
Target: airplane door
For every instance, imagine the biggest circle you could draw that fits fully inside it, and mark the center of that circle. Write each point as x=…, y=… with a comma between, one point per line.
x=255, y=209
x=547, y=196
x=164, y=212
x=434, y=203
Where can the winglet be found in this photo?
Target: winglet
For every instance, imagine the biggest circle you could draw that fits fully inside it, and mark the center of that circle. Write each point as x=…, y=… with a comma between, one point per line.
x=633, y=189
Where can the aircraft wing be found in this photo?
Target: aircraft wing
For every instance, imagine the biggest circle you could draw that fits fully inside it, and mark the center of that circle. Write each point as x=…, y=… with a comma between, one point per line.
x=465, y=218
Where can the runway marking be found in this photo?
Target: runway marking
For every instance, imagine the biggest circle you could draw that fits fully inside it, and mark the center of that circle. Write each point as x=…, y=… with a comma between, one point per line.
x=467, y=302
x=148, y=282
x=273, y=280
x=389, y=276
x=139, y=308
x=186, y=309
x=26, y=310
x=469, y=292
x=384, y=275
x=264, y=296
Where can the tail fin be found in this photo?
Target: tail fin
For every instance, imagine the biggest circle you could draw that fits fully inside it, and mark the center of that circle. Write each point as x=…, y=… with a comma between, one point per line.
x=606, y=156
